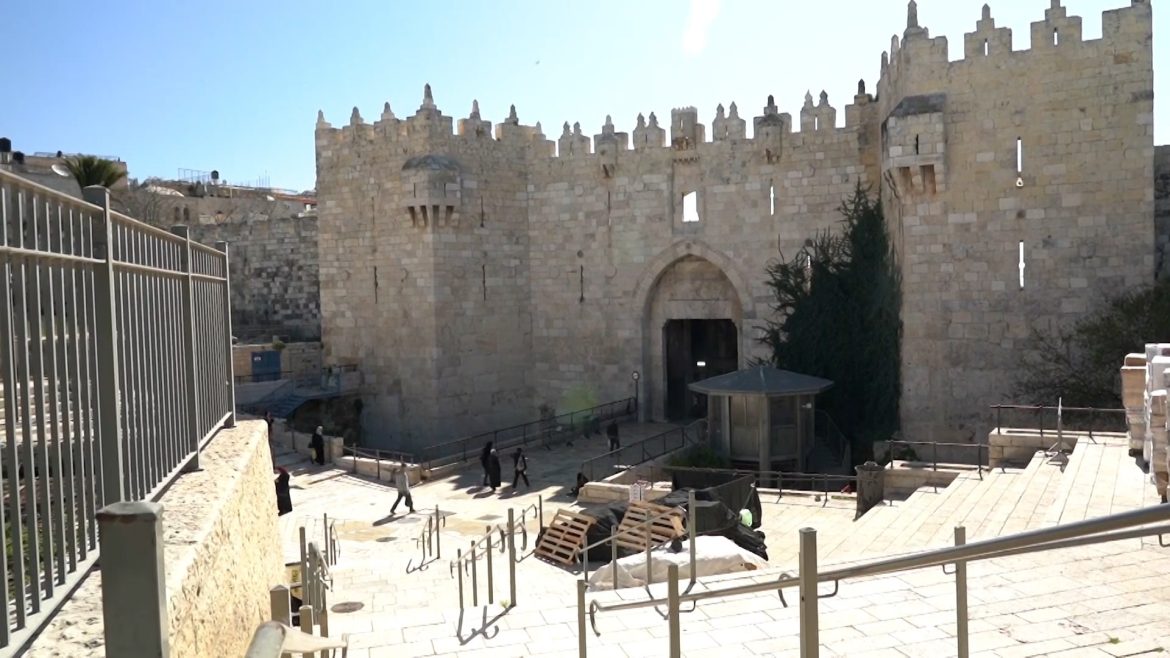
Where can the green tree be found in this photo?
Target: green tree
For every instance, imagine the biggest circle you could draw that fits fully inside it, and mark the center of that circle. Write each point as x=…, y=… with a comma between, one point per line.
x=1080, y=366
x=91, y=170
x=837, y=305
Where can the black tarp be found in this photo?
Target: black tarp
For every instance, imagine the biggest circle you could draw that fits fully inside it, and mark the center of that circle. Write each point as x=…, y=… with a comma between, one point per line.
x=737, y=491
x=713, y=516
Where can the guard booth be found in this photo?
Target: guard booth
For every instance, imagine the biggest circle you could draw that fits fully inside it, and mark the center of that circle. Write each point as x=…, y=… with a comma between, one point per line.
x=762, y=418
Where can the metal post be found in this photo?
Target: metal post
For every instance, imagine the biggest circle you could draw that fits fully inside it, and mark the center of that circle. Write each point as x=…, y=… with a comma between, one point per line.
x=438, y=546
x=809, y=624
x=325, y=531
x=934, y=453
x=613, y=558
x=474, y=579
x=540, y=510
x=227, y=328
x=581, y=639
x=647, y=525
x=961, y=596
x=672, y=611
x=134, y=597
x=188, y=355
x=459, y=570
x=304, y=565
x=306, y=613
x=279, y=604
x=511, y=557
x=108, y=386
x=692, y=530
x=488, y=554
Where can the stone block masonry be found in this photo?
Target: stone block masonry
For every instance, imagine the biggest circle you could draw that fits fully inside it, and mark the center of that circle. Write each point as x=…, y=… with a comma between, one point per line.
x=1162, y=208
x=480, y=272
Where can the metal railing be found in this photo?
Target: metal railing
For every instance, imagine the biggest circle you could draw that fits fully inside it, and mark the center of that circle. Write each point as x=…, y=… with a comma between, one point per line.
x=465, y=564
x=823, y=483
x=378, y=455
x=274, y=639
x=1116, y=527
x=643, y=529
x=980, y=449
x=645, y=450
x=116, y=367
x=428, y=542
x=540, y=432
x=1073, y=419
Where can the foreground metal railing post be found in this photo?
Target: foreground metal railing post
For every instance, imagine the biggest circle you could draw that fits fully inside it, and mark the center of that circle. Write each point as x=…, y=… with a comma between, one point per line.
x=474, y=579
x=134, y=597
x=106, y=315
x=581, y=639
x=809, y=623
x=280, y=604
x=227, y=328
x=488, y=554
x=692, y=530
x=459, y=573
x=613, y=556
x=961, y=596
x=438, y=546
x=511, y=557
x=672, y=611
x=188, y=357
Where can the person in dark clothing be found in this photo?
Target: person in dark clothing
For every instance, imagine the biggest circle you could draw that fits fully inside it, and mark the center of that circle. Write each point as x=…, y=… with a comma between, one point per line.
x=612, y=432
x=520, y=465
x=318, y=446
x=581, y=482
x=283, y=492
x=269, y=419
x=484, y=457
x=493, y=469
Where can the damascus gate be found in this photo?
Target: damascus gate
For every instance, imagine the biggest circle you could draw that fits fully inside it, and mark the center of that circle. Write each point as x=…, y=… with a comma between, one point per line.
x=474, y=271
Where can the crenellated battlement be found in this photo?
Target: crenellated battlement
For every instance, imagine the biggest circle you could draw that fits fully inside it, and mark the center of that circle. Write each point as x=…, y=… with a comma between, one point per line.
x=428, y=127
x=989, y=44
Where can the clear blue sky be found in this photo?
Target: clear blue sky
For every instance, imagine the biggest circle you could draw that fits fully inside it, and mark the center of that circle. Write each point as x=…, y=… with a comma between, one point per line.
x=236, y=85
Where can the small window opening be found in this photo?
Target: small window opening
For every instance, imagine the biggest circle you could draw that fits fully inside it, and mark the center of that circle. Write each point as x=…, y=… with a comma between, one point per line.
x=816, y=123
x=690, y=207
x=483, y=280
x=1022, y=265
x=986, y=47
x=917, y=145
x=1055, y=36
x=1019, y=156
x=772, y=200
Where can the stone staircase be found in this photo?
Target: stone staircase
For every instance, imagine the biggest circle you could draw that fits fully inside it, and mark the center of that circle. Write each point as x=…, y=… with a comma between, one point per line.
x=1088, y=601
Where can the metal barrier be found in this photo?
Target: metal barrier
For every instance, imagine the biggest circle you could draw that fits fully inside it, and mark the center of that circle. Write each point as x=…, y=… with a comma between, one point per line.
x=378, y=455
x=464, y=564
x=647, y=449
x=644, y=529
x=539, y=431
x=1116, y=527
x=277, y=638
x=779, y=479
x=428, y=542
x=1061, y=423
x=274, y=639
x=980, y=449
x=115, y=369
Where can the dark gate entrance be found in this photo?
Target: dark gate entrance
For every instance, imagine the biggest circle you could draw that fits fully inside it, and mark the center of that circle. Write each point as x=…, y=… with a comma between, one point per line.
x=696, y=350
x=266, y=366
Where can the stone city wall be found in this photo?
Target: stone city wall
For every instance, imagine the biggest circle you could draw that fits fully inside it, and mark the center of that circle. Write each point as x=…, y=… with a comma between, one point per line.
x=1162, y=208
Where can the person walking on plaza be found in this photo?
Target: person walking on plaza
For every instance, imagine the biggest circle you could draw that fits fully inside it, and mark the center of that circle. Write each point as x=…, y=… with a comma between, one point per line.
x=493, y=469
x=402, y=481
x=520, y=464
x=484, y=457
x=612, y=432
x=318, y=445
x=283, y=493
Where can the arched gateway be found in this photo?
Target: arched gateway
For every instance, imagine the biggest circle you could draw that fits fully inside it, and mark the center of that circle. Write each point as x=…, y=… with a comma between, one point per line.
x=693, y=327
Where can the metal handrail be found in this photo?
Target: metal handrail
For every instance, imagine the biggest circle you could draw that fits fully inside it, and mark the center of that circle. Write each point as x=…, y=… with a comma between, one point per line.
x=273, y=639
x=779, y=476
x=587, y=466
x=1115, y=527
x=459, y=566
x=429, y=541
x=378, y=455
x=1040, y=409
x=448, y=452
x=979, y=450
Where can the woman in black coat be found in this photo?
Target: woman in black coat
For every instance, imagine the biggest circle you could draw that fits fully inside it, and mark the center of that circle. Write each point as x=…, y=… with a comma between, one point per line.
x=283, y=493
x=484, y=457
x=493, y=469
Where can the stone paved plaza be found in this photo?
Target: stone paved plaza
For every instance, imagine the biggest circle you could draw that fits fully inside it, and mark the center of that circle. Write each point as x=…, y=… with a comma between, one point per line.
x=1093, y=601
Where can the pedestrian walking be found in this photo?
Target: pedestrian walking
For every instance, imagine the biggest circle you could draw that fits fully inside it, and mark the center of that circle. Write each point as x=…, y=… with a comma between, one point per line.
x=318, y=445
x=283, y=493
x=520, y=465
x=493, y=469
x=402, y=481
x=612, y=432
x=484, y=457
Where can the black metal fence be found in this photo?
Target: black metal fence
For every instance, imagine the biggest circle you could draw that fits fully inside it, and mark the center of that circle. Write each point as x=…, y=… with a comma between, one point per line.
x=115, y=368
x=640, y=452
x=538, y=432
x=1049, y=419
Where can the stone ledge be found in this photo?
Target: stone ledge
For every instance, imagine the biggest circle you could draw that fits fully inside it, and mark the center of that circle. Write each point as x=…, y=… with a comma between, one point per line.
x=221, y=548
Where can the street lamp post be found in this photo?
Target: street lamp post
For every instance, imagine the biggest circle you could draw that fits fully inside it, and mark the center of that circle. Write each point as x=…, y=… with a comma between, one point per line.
x=637, y=407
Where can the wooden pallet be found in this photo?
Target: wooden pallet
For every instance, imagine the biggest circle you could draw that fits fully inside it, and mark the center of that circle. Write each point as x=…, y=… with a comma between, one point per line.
x=564, y=538
x=662, y=529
